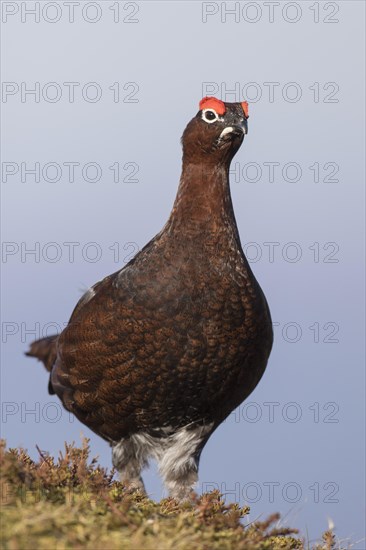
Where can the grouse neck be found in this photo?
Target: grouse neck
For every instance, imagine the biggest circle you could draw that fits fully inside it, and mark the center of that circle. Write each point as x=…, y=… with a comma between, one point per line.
x=203, y=202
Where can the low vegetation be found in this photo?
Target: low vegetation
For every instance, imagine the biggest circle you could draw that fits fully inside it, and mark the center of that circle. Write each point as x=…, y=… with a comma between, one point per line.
x=72, y=502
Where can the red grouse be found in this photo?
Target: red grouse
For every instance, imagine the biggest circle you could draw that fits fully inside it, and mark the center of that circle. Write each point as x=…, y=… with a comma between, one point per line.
x=157, y=355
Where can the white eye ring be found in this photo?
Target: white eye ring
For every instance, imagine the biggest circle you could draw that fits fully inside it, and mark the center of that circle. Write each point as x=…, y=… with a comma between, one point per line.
x=204, y=116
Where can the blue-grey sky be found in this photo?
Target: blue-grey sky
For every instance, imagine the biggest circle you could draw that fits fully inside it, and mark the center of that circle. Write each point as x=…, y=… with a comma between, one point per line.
x=114, y=84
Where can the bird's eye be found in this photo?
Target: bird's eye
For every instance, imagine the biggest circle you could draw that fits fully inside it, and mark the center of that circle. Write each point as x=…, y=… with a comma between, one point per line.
x=209, y=115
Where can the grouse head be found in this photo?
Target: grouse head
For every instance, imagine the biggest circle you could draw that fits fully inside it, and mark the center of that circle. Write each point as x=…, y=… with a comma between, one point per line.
x=216, y=132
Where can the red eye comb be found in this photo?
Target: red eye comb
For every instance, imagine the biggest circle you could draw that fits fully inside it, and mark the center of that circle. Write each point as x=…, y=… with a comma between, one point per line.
x=213, y=103
x=219, y=106
x=245, y=106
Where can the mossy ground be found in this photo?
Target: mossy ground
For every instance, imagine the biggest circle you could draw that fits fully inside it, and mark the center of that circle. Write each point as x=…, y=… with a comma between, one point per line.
x=73, y=503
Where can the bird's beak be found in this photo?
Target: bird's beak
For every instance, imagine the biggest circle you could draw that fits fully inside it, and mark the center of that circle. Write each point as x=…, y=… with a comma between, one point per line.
x=239, y=129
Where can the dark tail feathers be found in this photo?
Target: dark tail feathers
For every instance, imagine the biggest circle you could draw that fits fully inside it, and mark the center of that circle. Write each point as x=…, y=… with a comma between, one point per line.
x=45, y=350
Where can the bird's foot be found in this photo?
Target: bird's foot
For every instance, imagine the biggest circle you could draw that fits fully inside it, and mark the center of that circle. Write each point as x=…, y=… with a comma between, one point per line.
x=182, y=491
x=133, y=485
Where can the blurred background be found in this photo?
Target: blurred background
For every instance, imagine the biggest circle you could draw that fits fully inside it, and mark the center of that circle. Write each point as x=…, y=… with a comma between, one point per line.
x=95, y=97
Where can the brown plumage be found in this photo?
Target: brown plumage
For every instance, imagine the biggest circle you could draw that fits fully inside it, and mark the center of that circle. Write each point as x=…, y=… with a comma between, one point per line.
x=156, y=355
